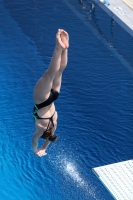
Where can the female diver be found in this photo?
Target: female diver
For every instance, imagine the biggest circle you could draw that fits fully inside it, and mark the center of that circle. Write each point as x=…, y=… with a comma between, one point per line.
x=46, y=91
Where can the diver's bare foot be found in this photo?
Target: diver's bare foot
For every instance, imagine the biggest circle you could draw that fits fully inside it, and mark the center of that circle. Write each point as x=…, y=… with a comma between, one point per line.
x=62, y=39
x=65, y=38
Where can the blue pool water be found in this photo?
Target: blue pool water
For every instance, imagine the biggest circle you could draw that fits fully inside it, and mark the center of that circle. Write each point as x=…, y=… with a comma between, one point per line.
x=95, y=106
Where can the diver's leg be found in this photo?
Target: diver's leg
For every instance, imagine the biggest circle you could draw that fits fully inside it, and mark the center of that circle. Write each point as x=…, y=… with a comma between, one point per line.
x=64, y=55
x=43, y=87
x=57, y=81
x=58, y=78
x=64, y=59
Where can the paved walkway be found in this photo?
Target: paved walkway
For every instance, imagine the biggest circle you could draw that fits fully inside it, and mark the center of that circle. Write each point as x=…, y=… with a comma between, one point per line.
x=129, y=3
x=121, y=11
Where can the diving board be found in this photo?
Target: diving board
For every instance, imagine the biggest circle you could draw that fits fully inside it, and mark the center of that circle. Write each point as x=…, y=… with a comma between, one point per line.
x=117, y=178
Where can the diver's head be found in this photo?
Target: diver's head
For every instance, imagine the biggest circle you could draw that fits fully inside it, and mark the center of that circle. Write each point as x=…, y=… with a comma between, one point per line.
x=48, y=135
x=52, y=138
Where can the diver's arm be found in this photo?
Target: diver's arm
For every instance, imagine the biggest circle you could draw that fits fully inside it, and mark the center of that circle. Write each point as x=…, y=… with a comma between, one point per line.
x=47, y=142
x=45, y=145
x=35, y=139
x=42, y=150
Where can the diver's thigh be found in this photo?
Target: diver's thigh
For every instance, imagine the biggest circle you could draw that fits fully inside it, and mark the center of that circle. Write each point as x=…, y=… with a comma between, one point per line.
x=42, y=88
x=57, y=82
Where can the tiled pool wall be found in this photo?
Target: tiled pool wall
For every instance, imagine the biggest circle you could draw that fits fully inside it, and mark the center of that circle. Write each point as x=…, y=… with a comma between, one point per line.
x=115, y=35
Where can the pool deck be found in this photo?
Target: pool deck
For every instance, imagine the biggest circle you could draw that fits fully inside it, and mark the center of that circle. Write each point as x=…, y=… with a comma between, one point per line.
x=121, y=11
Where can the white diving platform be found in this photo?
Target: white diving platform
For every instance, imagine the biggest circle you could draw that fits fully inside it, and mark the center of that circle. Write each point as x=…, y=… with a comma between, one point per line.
x=117, y=178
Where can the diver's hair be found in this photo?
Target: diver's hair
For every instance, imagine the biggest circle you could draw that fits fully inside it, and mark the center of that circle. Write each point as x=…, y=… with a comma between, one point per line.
x=48, y=135
x=52, y=138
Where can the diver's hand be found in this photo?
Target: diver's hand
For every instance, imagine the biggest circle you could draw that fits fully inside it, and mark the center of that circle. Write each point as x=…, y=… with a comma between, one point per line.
x=41, y=152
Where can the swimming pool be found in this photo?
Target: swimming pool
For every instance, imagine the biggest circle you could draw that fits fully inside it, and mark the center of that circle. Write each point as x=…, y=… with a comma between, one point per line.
x=95, y=105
